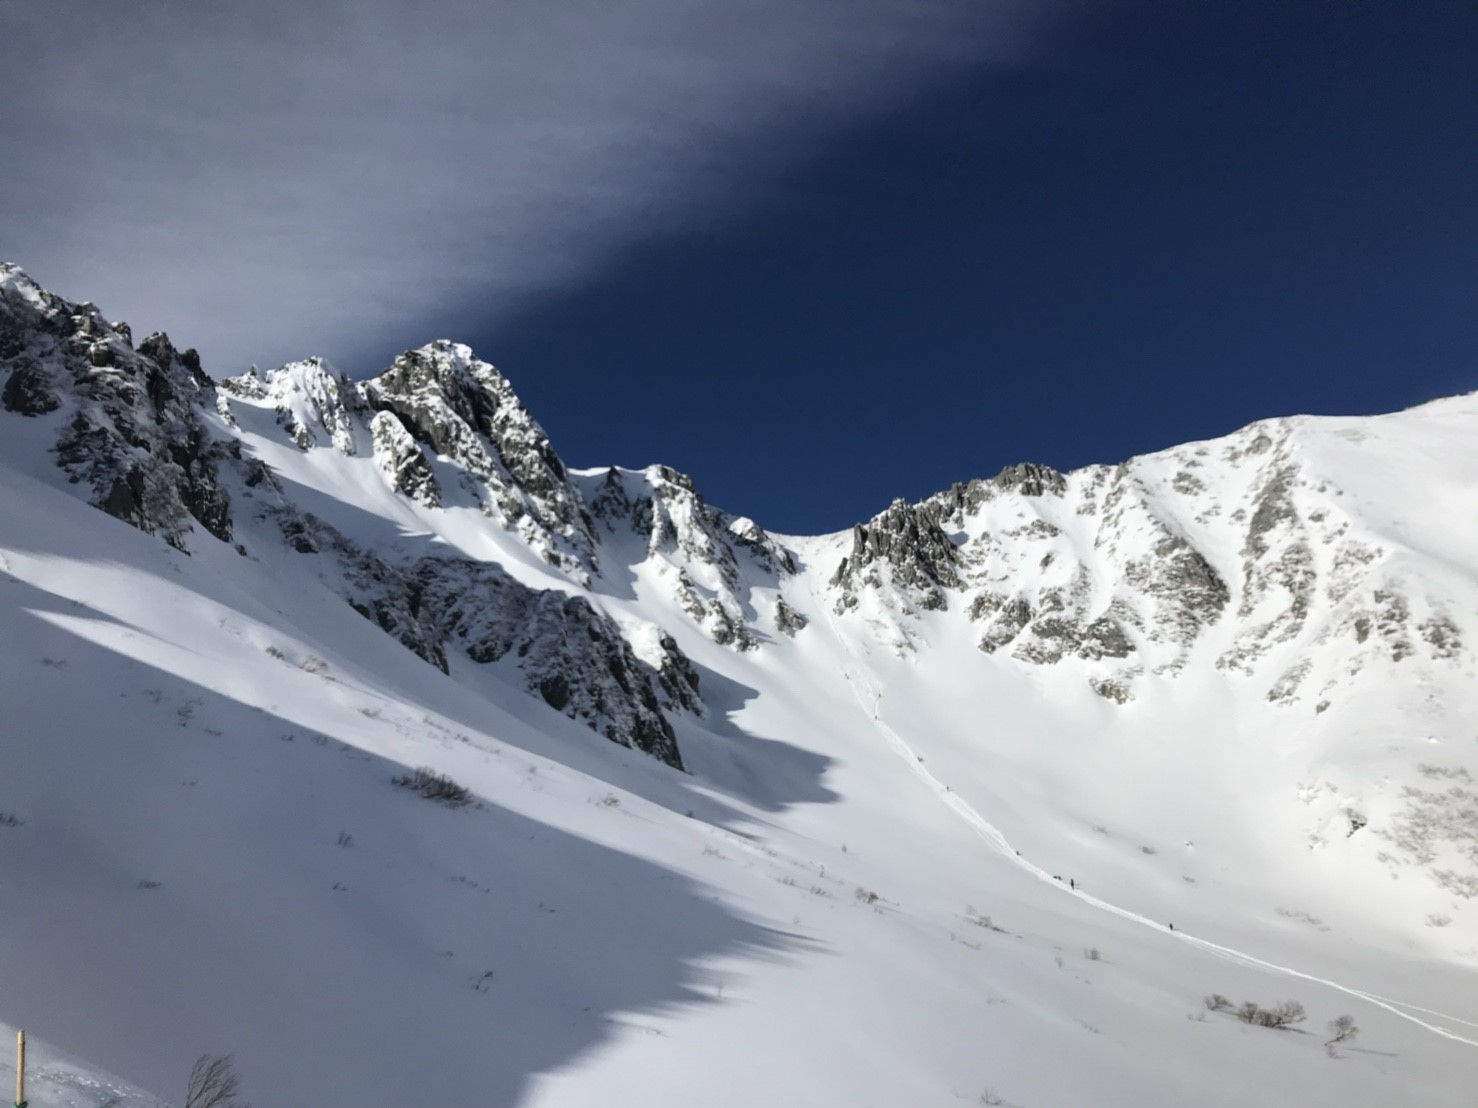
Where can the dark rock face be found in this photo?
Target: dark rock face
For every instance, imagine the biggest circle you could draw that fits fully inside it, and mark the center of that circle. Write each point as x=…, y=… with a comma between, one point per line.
x=787, y=619
x=558, y=646
x=133, y=430
x=465, y=410
x=28, y=392
x=1030, y=479
x=568, y=653
x=401, y=460
x=909, y=541
x=962, y=500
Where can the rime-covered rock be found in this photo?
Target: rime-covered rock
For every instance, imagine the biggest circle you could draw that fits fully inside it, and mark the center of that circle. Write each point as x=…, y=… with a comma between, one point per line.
x=711, y=560
x=130, y=422
x=906, y=547
x=465, y=410
x=398, y=457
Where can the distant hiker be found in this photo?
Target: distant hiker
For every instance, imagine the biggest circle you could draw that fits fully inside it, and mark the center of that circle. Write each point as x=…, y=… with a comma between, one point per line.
x=1072, y=882
x=1172, y=927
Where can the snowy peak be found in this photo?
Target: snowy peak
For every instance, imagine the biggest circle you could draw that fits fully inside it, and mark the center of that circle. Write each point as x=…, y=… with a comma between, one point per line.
x=313, y=402
x=464, y=410
x=709, y=562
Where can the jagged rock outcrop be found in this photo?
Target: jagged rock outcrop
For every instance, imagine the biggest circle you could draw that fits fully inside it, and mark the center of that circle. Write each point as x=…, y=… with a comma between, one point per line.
x=557, y=646
x=710, y=560
x=567, y=652
x=399, y=458
x=131, y=426
x=964, y=499
x=908, y=546
x=465, y=410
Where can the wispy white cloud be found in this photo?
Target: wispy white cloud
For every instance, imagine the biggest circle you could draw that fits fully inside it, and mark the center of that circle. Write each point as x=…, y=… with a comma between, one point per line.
x=278, y=178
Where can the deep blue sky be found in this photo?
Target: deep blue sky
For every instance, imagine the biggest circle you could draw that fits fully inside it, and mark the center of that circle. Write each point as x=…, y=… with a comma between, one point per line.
x=816, y=253
x=1184, y=217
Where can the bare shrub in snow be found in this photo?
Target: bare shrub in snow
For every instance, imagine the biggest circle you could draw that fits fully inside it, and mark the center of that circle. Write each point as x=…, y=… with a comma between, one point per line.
x=1283, y=1015
x=1217, y=1003
x=1342, y=1030
x=214, y=1084
x=980, y=919
x=1280, y=1016
x=8, y=819
x=313, y=664
x=1092, y=954
x=434, y=786
x=866, y=896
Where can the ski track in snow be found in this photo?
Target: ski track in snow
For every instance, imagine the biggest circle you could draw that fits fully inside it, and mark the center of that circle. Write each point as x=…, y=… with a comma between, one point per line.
x=861, y=688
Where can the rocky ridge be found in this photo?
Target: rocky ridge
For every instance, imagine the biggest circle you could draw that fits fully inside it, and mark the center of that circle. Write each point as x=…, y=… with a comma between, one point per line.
x=1126, y=573
x=1235, y=553
x=157, y=443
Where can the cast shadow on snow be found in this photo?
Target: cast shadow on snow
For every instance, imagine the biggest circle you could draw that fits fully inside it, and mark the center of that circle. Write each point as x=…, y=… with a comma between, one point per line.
x=443, y=957
x=769, y=773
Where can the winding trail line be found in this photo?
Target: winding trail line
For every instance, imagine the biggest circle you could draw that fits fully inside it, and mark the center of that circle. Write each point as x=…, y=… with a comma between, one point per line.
x=862, y=689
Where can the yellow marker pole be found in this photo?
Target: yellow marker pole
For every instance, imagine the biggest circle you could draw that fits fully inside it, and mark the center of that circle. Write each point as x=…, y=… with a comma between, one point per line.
x=20, y=1069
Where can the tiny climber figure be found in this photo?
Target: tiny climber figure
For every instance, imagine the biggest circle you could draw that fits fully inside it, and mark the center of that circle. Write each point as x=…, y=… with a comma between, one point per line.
x=1072, y=882
x=1172, y=927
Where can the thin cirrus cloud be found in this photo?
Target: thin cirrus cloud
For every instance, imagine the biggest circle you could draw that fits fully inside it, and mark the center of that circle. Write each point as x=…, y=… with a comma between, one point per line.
x=278, y=178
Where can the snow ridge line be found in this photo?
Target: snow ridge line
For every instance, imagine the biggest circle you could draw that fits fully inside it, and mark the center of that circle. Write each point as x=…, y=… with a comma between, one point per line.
x=992, y=835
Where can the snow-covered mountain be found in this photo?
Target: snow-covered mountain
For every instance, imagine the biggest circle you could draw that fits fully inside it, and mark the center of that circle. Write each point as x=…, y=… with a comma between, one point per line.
x=899, y=816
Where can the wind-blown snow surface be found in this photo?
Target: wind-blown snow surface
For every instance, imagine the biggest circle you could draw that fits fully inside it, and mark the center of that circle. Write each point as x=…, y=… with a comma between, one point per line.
x=1272, y=751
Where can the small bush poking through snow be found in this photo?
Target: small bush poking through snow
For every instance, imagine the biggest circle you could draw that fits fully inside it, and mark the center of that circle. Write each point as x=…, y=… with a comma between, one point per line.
x=1217, y=1003
x=866, y=896
x=1281, y=1016
x=9, y=820
x=1342, y=1029
x=434, y=786
x=1092, y=954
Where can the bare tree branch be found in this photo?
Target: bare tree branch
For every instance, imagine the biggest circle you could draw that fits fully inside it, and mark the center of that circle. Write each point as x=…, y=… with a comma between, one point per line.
x=213, y=1083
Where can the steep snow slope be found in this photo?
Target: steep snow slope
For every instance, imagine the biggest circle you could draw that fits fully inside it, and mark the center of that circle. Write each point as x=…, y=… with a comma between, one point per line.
x=345, y=581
